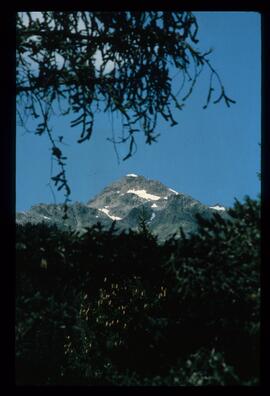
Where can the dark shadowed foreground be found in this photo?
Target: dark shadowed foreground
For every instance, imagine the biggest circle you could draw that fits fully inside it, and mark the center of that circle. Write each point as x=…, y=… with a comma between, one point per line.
x=105, y=308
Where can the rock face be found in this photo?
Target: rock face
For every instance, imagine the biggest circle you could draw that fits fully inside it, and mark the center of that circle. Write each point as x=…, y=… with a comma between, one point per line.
x=165, y=210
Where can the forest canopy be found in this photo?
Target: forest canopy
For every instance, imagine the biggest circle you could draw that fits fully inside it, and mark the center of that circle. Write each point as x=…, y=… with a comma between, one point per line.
x=120, y=309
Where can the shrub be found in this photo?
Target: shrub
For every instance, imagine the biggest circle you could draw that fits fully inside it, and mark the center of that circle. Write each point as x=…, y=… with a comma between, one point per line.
x=120, y=309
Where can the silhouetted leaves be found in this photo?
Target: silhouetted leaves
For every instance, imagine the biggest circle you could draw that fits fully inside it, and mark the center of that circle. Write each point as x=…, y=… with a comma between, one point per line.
x=57, y=72
x=102, y=308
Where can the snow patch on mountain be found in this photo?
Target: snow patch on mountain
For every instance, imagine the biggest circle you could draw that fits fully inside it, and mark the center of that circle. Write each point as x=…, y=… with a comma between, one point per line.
x=154, y=205
x=175, y=192
x=217, y=207
x=106, y=211
x=46, y=217
x=143, y=194
x=132, y=175
x=153, y=215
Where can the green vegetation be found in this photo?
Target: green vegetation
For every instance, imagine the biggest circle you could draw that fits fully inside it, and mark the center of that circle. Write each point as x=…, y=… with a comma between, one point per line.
x=108, y=309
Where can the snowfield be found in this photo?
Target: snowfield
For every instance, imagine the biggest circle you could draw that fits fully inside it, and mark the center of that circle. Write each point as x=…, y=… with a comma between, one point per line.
x=217, y=207
x=153, y=216
x=143, y=194
x=175, y=192
x=106, y=211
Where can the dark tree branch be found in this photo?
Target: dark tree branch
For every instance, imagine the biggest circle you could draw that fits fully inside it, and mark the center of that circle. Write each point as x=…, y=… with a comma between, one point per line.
x=56, y=64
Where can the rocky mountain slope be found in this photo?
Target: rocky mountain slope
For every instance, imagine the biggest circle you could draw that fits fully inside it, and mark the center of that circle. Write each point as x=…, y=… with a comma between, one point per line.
x=122, y=201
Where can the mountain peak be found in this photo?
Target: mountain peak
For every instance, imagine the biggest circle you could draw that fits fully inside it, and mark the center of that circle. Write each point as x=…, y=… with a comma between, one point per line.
x=131, y=175
x=122, y=201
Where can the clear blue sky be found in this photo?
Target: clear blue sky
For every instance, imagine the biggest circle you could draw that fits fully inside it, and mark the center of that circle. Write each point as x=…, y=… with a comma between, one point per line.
x=212, y=155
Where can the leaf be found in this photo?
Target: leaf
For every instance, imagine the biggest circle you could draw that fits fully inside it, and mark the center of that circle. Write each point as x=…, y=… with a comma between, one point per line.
x=219, y=98
x=61, y=186
x=77, y=121
x=56, y=152
x=127, y=156
x=228, y=101
x=174, y=123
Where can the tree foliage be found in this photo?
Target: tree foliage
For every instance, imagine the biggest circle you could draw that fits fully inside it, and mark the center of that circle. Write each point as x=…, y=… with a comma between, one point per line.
x=138, y=55
x=109, y=309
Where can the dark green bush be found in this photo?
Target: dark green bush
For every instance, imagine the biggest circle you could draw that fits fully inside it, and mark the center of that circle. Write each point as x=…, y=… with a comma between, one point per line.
x=109, y=309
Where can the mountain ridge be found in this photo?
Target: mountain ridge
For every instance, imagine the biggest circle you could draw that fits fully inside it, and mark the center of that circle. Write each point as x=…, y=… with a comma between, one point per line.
x=122, y=201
